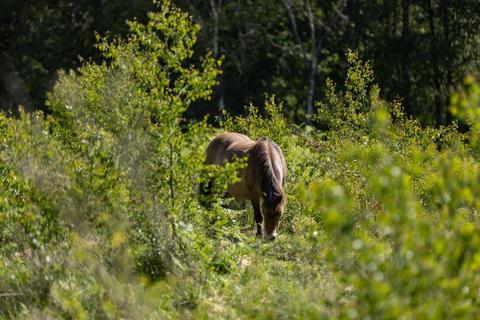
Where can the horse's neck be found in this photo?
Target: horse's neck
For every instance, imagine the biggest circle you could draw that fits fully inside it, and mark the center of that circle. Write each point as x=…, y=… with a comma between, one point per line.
x=268, y=165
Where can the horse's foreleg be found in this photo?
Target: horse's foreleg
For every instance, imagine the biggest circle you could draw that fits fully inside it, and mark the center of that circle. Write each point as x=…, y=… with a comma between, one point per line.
x=258, y=217
x=206, y=194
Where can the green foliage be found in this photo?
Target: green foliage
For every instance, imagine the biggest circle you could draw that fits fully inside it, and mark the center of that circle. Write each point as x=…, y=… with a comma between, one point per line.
x=465, y=106
x=354, y=110
x=111, y=170
x=253, y=124
x=100, y=218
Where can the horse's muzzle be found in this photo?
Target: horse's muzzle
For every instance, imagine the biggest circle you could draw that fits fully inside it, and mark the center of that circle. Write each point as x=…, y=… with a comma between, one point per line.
x=270, y=237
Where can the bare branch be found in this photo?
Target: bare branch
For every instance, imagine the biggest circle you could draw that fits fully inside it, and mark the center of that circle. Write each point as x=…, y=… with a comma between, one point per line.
x=214, y=9
x=196, y=15
x=10, y=294
x=293, y=22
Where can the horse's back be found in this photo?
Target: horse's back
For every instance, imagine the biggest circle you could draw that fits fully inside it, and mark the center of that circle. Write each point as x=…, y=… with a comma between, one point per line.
x=227, y=145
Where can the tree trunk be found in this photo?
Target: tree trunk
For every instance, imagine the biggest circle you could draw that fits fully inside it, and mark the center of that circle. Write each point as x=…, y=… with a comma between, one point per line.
x=435, y=66
x=406, y=55
x=448, y=59
x=13, y=91
x=313, y=64
x=213, y=7
x=393, y=30
x=219, y=90
x=311, y=89
x=293, y=22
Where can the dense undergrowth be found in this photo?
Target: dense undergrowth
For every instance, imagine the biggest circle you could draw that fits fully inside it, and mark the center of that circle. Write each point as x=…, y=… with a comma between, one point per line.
x=100, y=218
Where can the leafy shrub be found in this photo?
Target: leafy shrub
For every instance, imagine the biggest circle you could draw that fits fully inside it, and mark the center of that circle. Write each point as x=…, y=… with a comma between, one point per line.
x=109, y=176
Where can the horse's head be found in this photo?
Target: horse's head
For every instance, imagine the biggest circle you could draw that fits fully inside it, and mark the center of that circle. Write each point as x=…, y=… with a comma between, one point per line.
x=272, y=209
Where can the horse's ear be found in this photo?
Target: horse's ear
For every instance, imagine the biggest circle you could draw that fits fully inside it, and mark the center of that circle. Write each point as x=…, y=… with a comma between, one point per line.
x=272, y=199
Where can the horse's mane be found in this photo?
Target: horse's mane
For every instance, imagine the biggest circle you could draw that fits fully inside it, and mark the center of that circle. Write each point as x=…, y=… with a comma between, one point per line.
x=261, y=154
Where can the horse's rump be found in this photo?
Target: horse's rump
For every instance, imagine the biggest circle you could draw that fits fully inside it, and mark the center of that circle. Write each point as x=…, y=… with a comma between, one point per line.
x=227, y=145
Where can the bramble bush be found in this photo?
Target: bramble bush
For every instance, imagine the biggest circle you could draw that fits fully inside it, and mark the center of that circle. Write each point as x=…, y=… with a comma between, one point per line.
x=100, y=214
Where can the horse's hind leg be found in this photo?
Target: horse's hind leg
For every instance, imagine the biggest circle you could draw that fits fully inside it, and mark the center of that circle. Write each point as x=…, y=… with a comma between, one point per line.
x=206, y=194
x=257, y=214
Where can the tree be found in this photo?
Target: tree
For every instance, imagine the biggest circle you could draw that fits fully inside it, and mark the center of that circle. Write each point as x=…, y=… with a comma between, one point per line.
x=419, y=50
x=321, y=19
x=40, y=37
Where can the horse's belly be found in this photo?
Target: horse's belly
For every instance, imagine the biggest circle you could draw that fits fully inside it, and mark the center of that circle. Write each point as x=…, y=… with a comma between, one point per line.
x=239, y=191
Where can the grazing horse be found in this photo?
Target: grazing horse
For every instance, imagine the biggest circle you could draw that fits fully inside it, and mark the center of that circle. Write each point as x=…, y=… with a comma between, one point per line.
x=262, y=181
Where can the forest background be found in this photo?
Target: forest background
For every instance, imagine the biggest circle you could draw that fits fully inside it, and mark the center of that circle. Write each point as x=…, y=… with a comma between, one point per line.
x=419, y=50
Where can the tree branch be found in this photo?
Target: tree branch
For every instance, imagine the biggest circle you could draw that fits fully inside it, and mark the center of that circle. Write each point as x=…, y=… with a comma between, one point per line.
x=293, y=22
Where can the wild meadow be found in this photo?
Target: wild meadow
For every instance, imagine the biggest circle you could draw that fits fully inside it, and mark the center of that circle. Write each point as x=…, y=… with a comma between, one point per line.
x=100, y=215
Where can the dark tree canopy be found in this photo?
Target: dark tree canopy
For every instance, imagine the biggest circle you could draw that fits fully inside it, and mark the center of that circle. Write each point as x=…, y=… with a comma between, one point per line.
x=40, y=37
x=419, y=50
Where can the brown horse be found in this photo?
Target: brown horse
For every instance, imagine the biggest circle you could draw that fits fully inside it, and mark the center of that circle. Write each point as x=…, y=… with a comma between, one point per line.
x=262, y=181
